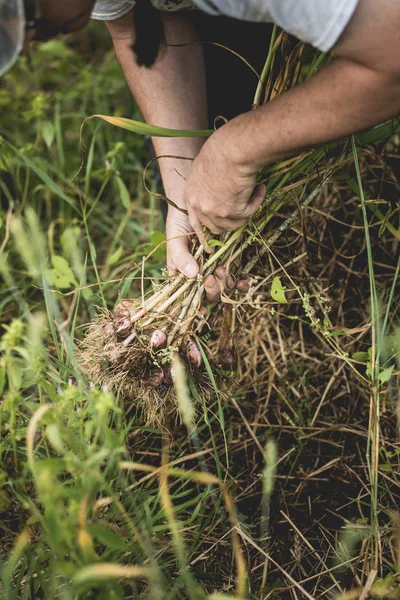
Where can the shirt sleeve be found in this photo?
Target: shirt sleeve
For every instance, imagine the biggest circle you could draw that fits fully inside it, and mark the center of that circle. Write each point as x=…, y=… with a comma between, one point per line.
x=318, y=22
x=108, y=10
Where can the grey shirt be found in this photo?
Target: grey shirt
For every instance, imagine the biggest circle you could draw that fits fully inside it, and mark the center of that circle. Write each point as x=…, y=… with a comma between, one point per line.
x=107, y=10
x=319, y=22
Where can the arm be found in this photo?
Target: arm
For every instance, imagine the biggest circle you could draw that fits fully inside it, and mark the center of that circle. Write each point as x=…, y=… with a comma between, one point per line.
x=170, y=94
x=358, y=89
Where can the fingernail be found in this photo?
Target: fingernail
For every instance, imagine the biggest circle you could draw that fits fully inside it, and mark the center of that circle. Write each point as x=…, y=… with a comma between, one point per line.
x=190, y=270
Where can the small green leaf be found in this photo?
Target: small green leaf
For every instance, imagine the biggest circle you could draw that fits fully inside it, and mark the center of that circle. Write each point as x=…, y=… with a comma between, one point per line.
x=326, y=323
x=385, y=222
x=123, y=192
x=278, y=291
x=107, y=537
x=5, y=501
x=385, y=468
x=360, y=356
x=32, y=520
x=15, y=373
x=54, y=436
x=156, y=246
x=59, y=263
x=69, y=240
x=56, y=49
x=2, y=377
x=61, y=276
x=334, y=333
x=382, y=587
x=51, y=466
x=386, y=374
x=48, y=133
x=368, y=370
x=215, y=243
x=115, y=256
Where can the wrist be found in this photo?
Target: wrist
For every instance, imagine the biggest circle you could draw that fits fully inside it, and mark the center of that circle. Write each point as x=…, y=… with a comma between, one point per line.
x=174, y=170
x=240, y=144
x=174, y=178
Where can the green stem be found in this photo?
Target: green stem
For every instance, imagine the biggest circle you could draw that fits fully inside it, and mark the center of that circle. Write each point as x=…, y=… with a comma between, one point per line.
x=262, y=81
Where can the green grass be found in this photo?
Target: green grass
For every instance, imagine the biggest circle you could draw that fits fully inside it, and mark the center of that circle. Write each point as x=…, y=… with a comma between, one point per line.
x=284, y=491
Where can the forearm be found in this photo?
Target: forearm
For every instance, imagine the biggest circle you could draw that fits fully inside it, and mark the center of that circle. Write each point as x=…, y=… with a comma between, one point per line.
x=172, y=93
x=343, y=98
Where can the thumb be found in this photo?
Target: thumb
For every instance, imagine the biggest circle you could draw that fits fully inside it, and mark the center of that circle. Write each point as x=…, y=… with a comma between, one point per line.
x=256, y=199
x=179, y=258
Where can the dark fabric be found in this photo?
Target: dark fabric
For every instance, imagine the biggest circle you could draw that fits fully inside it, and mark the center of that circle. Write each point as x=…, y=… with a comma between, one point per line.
x=149, y=32
x=230, y=83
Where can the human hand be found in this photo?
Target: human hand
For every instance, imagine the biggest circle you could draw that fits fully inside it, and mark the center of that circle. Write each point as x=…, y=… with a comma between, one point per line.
x=179, y=234
x=179, y=258
x=221, y=194
x=222, y=282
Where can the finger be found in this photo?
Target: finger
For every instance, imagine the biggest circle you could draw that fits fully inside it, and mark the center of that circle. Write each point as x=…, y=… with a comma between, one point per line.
x=199, y=219
x=227, y=280
x=198, y=229
x=227, y=223
x=243, y=286
x=212, y=288
x=179, y=257
x=220, y=274
x=210, y=224
x=232, y=225
x=219, y=224
x=255, y=200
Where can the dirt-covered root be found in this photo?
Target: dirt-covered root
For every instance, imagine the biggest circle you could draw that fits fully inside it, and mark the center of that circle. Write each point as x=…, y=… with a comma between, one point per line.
x=137, y=366
x=158, y=405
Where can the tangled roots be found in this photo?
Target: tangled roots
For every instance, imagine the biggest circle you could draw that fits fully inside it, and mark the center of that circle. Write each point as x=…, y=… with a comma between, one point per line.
x=136, y=364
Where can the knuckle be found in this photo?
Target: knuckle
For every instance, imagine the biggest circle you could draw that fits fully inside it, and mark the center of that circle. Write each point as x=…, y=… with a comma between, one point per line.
x=193, y=222
x=192, y=201
x=212, y=289
x=223, y=213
